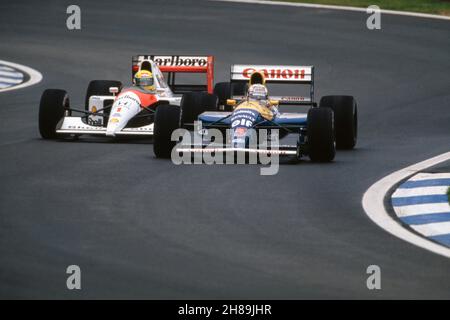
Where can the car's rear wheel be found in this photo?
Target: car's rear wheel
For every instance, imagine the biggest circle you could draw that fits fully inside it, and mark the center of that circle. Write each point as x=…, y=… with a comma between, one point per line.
x=320, y=130
x=166, y=121
x=345, y=119
x=195, y=103
x=223, y=91
x=53, y=104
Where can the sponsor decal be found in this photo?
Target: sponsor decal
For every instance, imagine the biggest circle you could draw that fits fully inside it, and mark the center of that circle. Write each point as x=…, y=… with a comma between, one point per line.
x=293, y=99
x=122, y=100
x=243, y=118
x=276, y=73
x=93, y=122
x=114, y=120
x=241, y=121
x=180, y=61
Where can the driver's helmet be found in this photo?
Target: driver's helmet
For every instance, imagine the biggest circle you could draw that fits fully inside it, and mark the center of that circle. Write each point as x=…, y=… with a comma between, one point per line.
x=144, y=79
x=257, y=92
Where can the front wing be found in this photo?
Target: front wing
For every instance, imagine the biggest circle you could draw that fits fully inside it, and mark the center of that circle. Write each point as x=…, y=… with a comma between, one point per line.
x=75, y=126
x=282, y=150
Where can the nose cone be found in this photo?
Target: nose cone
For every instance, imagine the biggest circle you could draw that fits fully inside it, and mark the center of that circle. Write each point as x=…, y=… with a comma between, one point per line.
x=124, y=108
x=114, y=125
x=239, y=139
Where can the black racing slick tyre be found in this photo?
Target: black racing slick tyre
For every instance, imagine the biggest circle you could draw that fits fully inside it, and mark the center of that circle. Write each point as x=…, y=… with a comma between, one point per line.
x=320, y=130
x=100, y=88
x=345, y=119
x=195, y=103
x=54, y=102
x=166, y=121
x=223, y=92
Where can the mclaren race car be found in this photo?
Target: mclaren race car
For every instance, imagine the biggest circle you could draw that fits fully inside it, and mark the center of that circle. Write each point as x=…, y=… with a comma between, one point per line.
x=111, y=110
x=320, y=129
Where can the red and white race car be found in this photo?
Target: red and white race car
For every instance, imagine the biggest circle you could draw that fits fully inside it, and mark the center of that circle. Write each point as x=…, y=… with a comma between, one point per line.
x=112, y=110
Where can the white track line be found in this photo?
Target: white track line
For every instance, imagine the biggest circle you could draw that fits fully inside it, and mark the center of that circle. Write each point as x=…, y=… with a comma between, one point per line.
x=373, y=204
x=35, y=76
x=333, y=7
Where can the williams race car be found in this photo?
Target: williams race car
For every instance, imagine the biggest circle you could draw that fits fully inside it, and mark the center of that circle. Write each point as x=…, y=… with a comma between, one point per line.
x=324, y=127
x=111, y=110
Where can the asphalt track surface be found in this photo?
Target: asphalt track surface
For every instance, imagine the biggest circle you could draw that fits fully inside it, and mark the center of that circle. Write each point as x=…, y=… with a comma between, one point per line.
x=443, y=167
x=140, y=227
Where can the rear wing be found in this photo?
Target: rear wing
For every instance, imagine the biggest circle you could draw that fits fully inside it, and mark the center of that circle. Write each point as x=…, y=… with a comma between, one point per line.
x=279, y=74
x=176, y=64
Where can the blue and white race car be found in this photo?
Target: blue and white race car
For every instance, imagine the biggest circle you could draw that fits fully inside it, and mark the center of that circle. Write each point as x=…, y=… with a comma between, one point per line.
x=241, y=118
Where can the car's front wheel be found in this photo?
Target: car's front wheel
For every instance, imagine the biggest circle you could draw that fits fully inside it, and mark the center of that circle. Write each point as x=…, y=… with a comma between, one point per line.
x=193, y=104
x=166, y=121
x=53, y=104
x=320, y=132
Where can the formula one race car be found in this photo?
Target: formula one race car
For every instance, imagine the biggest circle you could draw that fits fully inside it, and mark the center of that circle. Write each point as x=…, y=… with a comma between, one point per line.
x=323, y=128
x=111, y=110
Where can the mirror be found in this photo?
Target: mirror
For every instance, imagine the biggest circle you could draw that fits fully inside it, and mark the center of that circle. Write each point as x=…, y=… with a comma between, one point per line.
x=113, y=90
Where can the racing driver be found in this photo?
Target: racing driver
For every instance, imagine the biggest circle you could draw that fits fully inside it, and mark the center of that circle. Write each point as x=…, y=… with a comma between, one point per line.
x=258, y=97
x=144, y=87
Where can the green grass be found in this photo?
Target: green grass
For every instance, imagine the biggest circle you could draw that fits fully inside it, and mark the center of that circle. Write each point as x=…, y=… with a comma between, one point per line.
x=425, y=6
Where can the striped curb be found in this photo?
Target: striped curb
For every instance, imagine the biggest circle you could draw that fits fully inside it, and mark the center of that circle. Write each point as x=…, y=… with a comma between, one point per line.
x=421, y=203
x=10, y=77
x=15, y=76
